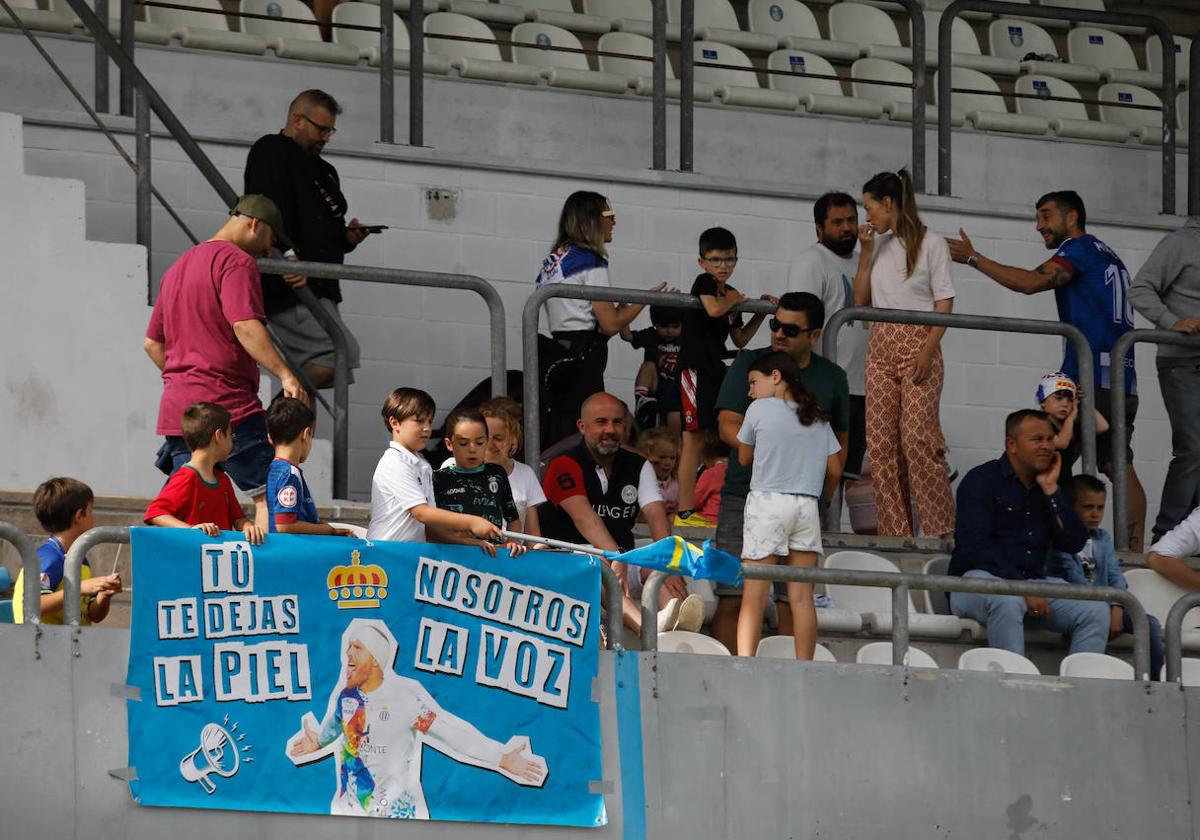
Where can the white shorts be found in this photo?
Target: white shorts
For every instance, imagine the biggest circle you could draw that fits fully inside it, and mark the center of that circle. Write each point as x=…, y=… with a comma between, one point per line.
x=776, y=523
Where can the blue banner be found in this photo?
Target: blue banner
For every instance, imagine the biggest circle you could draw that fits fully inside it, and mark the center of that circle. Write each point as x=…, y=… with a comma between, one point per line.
x=330, y=675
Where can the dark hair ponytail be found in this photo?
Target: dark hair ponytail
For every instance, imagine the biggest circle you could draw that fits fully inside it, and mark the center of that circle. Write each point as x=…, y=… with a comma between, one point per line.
x=808, y=410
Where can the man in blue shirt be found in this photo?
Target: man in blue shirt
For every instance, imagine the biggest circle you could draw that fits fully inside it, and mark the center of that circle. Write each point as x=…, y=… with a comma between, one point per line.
x=1091, y=289
x=1011, y=512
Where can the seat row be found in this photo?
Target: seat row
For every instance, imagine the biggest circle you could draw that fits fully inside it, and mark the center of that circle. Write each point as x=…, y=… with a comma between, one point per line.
x=1091, y=665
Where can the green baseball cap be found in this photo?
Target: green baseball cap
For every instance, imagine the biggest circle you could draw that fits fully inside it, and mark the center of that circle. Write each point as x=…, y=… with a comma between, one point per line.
x=265, y=210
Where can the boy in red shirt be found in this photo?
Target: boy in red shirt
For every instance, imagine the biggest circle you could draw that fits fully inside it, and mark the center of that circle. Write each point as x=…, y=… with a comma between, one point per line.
x=200, y=495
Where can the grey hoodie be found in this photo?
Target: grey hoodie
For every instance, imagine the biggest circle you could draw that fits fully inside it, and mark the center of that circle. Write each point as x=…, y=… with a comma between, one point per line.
x=1167, y=289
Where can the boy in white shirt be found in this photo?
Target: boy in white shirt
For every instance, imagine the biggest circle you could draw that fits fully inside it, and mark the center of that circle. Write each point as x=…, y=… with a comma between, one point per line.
x=402, y=499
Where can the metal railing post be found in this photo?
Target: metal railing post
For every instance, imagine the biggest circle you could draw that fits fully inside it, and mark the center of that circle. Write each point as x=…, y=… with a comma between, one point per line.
x=142, y=146
x=687, y=79
x=30, y=593
x=1087, y=418
x=74, y=563
x=100, y=61
x=658, y=127
x=904, y=581
x=1120, y=422
x=613, y=595
x=1025, y=12
x=916, y=17
x=1173, y=634
x=416, y=73
x=532, y=409
x=1193, y=201
x=125, y=97
x=387, y=72
x=900, y=603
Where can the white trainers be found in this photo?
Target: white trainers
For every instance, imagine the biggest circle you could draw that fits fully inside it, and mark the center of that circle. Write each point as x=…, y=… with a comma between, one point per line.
x=687, y=614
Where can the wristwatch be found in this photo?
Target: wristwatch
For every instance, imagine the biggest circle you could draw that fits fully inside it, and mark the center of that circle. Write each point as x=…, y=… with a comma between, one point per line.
x=973, y=261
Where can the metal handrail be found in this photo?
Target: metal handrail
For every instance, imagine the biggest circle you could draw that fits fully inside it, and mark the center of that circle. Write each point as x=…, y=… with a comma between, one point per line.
x=1173, y=634
x=30, y=594
x=902, y=582
x=1023, y=11
x=989, y=323
x=1120, y=423
x=612, y=294
x=72, y=573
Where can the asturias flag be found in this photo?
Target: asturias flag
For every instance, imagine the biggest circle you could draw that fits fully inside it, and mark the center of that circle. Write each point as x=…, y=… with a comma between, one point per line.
x=674, y=555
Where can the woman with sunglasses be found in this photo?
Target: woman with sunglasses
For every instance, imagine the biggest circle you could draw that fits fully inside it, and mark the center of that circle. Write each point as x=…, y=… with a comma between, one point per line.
x=581, y=328
x=904, y=266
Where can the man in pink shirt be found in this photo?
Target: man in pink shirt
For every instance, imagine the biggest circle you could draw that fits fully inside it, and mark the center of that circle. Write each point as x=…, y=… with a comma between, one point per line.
x=207, y=336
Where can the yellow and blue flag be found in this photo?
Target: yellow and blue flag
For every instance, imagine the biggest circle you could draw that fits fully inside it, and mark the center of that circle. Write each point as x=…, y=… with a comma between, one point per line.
x=675, y=555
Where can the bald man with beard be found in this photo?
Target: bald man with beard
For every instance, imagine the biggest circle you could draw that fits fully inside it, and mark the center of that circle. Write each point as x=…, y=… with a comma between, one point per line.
x=595, y=493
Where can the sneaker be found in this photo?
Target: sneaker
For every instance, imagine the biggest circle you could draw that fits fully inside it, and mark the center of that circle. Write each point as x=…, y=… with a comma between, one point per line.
x=690, y=519
x=668, y=616
x=691, y=614
x=645, y=412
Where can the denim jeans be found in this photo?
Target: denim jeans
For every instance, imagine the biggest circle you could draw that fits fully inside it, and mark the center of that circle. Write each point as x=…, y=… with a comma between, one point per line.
x=1086, y=622
x=1156, y=643
x=1181, y=491
x=246, y=465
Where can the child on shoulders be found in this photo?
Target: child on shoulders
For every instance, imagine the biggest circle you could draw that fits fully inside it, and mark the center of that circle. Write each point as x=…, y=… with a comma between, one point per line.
x=1060, y=397
x=200, y=495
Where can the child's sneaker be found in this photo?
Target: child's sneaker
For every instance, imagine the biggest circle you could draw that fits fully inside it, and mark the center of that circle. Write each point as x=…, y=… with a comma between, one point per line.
x=645, y=412
x=668, y=616
x=691, y=519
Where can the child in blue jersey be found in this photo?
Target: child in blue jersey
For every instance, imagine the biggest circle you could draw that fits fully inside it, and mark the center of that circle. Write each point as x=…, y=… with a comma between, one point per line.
x=290, y=507
x=787, y=437
x=63, y=506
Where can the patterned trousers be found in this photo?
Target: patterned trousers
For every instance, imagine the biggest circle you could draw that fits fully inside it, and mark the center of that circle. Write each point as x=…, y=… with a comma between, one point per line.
x=904, y=434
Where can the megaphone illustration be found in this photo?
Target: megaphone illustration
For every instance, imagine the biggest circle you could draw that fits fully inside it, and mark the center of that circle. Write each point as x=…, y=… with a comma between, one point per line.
x=217, y=753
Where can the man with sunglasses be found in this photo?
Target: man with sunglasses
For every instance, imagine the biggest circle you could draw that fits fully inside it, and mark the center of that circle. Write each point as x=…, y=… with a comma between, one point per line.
x=288, y=168
x=795, y=330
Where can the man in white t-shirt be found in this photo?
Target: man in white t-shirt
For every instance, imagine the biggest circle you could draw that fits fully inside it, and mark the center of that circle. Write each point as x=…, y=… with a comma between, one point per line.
x=827, y=269
x=376, y=725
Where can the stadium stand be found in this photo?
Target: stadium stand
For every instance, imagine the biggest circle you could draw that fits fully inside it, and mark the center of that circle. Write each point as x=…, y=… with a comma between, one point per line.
x=715, y=20
x=964, y=46
x=895, y=98
x=880, y=653
x=784, y=647
x=40, y=19
x=1183, y=59
x=874, y=603
x=558, y=68
x=562, y=14
x=1084, y=5
x=817, y=95
x=1067, y=118
x=1190, y=673
x=683, y=641
x=638, y=73
x=629, y=16
x=1145, y=125
x=1015, y=39
x=294, y=40
x=988, y=111
x=471, y=59
x=737, y=86
x=1157, y=594
x=503, y=14
x=1111, y=54
x=143, y=31
x=199, y=31
x=995, y=659
x=795, y=26
x=870, y=28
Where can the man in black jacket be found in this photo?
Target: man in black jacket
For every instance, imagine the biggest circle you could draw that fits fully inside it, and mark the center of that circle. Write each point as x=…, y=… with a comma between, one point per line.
x=288, y=168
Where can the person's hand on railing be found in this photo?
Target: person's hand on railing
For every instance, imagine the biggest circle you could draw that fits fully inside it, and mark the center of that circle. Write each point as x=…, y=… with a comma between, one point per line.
x=1037, y=607
x=294, y=280
x=293, y=388
x=771, y=299
x=355, y=233
x=102, y=586
x=621, y=570
x=1187, y=326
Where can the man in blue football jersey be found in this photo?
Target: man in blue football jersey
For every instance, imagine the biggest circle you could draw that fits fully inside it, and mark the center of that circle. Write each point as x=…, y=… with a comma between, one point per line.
x=1091, y=288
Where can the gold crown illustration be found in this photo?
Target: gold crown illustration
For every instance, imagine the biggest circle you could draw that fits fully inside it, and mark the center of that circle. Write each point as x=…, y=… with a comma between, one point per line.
x=357, y=587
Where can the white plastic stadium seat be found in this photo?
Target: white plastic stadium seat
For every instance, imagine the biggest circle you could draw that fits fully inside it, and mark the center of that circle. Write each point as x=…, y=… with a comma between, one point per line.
x=1189, y=672
x=638, y=73
x=1183, y=58
x=870, y=28
x=715, y=20
x=995, y=659
x=201, y=31
x=740, y=86
x=1158, y=595
x=561, y=69
x=629, y=16
x=987, y=111
x=784, y=647
x=35, y=18
x=938, y=603
x=964, y=48
x=367, y=14
x=150, y=33
x=1067, y=119
x=818, y=96
x=791, y=22
x=683, y=641
x=471, y=59
x=895, y=99
x=880, y=653
x=940, y=5
x=501, y=13
x=874, y=603
x=1088, y=5
x=1146, y=126
x=1095, y=665
x=293, y=40
x=1015, y=39
x=562, y=13
x=1111, y=53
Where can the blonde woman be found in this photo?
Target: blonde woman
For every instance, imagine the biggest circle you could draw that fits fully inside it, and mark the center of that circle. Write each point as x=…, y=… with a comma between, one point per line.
x=581, y=328
x=904, y=266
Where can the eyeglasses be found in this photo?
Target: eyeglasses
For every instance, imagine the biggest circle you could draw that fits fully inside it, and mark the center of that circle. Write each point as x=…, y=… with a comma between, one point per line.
x=729, y=262
x=789, y=330
x=323, y=130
